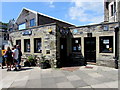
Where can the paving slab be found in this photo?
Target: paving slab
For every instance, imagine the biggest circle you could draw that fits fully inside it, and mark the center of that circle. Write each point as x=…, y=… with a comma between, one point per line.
x=60, y=79
x=73, y=78
x=79, y=83
x=64, y=85
x=34, y=77
x=18, y=84
x=113, y=84
x=34, y=83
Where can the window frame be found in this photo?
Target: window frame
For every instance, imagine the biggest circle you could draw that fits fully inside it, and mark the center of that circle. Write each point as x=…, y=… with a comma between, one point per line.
x=75, y=44
x=22, y=24
x=102, y=44
x=35, y=46
x=112, y=9
x=18, y=42
x=32, y=22
x=25, y=47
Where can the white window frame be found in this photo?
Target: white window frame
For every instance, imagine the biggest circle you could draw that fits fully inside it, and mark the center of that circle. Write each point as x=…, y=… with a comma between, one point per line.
x=112, y=3
x=23, y=26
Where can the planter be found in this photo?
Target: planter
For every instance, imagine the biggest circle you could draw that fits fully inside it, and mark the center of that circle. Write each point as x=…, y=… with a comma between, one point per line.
x=27, y=64
x=43, y=65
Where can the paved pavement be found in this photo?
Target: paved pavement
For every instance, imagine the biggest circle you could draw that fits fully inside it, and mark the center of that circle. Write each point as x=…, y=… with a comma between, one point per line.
x=34, y=77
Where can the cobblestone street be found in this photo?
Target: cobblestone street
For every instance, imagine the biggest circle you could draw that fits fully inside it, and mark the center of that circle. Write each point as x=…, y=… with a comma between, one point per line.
x=82, y=77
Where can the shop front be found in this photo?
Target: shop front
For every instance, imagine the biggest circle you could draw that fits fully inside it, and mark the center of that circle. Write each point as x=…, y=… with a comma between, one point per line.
x=97, y=43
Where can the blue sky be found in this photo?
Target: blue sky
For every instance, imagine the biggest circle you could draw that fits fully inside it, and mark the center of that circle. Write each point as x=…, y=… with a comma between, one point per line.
x=77, y=13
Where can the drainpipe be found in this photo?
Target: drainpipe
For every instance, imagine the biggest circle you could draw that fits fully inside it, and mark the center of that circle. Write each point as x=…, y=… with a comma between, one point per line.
x=116, y=47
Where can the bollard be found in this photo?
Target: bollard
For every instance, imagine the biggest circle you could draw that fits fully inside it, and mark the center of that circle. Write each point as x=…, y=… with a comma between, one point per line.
x=116, y=62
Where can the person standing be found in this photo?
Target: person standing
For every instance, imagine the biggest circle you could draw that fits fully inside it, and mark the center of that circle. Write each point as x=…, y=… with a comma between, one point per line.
x=1, y=59
x=8, y=58
x=15, y=57
x=19, y=56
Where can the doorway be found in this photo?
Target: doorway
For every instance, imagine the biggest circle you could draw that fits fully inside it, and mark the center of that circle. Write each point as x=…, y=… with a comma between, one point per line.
x=63, y=51
x=90, y=49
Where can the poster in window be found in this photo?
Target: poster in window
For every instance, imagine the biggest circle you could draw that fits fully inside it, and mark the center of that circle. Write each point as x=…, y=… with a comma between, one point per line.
x=28, y=47
x=107, y=46
x=39, y=47
x=61, y=46
x=74, y=48
x=106, y=41
x=76, y=41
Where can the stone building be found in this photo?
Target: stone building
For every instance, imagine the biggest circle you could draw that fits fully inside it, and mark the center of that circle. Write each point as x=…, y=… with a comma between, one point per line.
x=4, y=36
x=111, y=10
x=37, y=33
x=98, y=43
x=66, y=44
x=112, y=14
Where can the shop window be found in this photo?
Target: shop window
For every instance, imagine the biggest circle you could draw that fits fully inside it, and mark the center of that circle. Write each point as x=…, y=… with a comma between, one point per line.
x=21, y=26
x=27, y=45
x=32, y=22
x=37, y=45
x=76, y=44
x=18, y=42
x=106, y=44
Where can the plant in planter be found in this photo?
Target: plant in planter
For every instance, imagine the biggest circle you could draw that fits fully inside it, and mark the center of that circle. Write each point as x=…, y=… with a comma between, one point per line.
x=44, y=63
x=30, y=61
x=27, y=63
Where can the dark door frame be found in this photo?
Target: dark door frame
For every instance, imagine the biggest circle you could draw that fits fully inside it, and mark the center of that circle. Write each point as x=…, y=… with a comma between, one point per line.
x=63, y=51
x=90, y=54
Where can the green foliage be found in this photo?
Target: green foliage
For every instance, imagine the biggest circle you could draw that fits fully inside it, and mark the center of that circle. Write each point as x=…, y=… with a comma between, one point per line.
x=3, y=24
x=31, y=58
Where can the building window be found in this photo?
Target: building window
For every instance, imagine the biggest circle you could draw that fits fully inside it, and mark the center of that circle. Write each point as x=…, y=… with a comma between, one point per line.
x=22, y=26
x=37, y=45
x=6, y=36
x=76, y=44
x=32, y=22
x=106, y=44
x=27, y=45
x=107, y=5
x=112, y=11
x=18, y=42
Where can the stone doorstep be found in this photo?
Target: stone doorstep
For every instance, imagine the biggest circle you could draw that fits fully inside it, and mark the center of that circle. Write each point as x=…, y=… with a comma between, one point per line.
x=91, y=63
x=70, y=68
x=90, y=67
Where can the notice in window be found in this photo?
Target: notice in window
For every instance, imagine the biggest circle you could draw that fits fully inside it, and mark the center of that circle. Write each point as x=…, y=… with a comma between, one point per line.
x=107, y=46
x=106, y=41
x=76, y=41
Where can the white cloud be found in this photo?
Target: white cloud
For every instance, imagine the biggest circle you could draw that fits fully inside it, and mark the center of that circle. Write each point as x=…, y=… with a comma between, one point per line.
x=51, y=4
x=86, y=11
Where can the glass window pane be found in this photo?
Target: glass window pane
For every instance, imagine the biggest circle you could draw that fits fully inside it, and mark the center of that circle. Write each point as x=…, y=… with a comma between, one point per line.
x=32, y=22
x=22, y=26
x=106, y=44
x=27, y=45
x=37, y=45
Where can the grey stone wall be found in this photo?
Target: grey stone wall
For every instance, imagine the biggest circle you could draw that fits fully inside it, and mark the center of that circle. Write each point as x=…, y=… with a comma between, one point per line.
x=97, y=31
x=25, y=17
x=48, y=40
x=106, y=11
